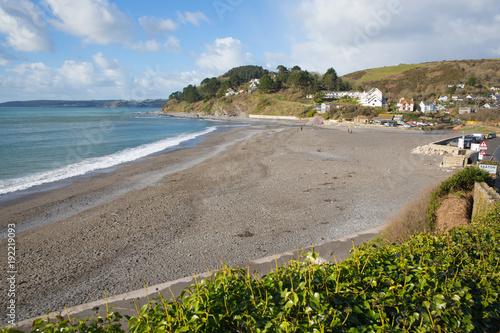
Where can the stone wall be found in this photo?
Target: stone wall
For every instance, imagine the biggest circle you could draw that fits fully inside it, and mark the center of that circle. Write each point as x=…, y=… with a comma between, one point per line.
x=484, y=199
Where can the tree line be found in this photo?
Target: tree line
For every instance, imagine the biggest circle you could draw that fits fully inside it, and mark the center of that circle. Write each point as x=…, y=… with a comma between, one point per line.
x=295, y=79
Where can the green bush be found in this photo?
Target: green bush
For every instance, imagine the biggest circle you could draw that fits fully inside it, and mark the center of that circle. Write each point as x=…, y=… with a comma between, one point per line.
x=448, y=282
x=311, y=113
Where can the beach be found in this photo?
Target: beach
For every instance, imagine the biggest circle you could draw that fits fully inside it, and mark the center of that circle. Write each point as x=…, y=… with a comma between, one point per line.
x=241, y=194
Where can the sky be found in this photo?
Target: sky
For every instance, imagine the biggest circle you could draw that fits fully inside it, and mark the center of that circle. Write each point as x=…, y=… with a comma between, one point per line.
x=136, y=50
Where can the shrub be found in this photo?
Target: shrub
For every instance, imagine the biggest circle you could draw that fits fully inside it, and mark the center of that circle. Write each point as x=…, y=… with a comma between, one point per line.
x=446, y=282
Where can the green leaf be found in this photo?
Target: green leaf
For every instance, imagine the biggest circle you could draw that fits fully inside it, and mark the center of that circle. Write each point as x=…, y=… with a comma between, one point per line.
x=288, y=304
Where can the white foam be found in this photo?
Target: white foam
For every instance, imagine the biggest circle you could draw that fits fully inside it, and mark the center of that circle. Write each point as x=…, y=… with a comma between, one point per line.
x=96, y=163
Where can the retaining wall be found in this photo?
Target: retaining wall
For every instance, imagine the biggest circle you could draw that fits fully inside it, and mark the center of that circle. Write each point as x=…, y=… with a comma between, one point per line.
x=484, y=199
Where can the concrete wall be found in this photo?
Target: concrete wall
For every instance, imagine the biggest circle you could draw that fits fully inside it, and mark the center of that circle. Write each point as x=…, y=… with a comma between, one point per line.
x=484, y=199
x=454, y=161
x=256, y=116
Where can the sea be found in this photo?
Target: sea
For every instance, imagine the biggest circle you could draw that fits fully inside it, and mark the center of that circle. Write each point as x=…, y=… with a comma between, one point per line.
x=40, y=148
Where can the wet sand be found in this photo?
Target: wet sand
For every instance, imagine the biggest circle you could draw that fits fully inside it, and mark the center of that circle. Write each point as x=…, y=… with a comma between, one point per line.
x=239, y=195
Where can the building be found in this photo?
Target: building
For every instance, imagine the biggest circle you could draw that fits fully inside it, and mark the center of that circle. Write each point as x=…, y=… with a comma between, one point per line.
x=399, y=118
x=254, y=84
x=443, y=99
x=405, y=106
x=465, y=110
x=374, y=97
x=383, y=118
x=428, y=107
x=361, y=119
x=490, y=106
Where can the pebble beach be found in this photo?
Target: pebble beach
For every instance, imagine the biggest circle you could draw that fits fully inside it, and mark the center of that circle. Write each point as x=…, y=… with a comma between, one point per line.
x=241, y=194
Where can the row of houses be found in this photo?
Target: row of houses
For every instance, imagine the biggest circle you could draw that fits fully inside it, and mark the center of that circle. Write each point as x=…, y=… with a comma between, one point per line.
x=457, y=98
x=373, y=97
x=405, y=105
x=254, y=84
x=462, y=86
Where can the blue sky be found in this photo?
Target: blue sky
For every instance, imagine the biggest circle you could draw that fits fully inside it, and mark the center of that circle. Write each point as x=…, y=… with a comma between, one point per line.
x=129, y=49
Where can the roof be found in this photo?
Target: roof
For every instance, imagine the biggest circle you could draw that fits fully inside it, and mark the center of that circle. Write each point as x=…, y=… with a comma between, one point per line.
x=385, y=116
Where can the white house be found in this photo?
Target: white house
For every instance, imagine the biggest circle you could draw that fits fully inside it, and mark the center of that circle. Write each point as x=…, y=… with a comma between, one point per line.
x=490, y=106
x=464, y=110
x=471, y=96
x=254, y=84
x=443, y=99
x=428, y=107
x=374, y=97
x=406, y=106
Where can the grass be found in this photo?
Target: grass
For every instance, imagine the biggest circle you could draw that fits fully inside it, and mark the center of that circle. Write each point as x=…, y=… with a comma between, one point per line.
x=410, y=220
x=428, y=80
x=381, y=73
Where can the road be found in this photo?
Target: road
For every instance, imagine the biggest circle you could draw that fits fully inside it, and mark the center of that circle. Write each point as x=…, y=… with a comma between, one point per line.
x=493, y=154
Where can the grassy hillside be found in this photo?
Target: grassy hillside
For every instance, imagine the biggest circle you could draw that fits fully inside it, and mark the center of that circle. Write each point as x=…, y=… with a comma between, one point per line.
x=279, y=104
x=422, y=80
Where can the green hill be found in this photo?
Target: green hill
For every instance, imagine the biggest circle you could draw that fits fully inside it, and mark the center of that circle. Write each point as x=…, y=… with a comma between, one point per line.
x=423, y=80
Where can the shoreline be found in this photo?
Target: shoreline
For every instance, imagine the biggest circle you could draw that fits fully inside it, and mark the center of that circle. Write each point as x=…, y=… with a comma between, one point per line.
x=241, y=194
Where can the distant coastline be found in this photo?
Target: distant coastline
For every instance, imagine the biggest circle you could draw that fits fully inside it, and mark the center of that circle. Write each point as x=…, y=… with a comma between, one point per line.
x=151, y=103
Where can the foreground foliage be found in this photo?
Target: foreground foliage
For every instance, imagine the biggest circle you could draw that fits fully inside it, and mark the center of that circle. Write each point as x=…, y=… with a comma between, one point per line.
x=431, y=283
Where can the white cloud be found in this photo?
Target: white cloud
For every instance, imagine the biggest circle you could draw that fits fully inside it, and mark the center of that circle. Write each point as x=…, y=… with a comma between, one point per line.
x=23, y=24
x=172, y=44
x=96, y=21
x=99, y=78
x=156, y=25
x=273, y=60
x=77, y=74
x=195, y=18
x=350, y=35
x=223, y=54
x=161, y=83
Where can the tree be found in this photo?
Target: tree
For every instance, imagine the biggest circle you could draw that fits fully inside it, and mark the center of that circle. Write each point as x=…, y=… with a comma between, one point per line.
x=266, y=84
x=246, y=73
x=236, y=80
x=299, y=79
x=318, y=97
x=471, y=82
x=209, y=88
x=331, y=81
x=359, y=88
x=283, y=73
x=190, y=94
x=175, y=95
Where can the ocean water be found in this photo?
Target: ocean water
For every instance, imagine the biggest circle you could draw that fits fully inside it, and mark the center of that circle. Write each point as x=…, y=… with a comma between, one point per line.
x=45, y=145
